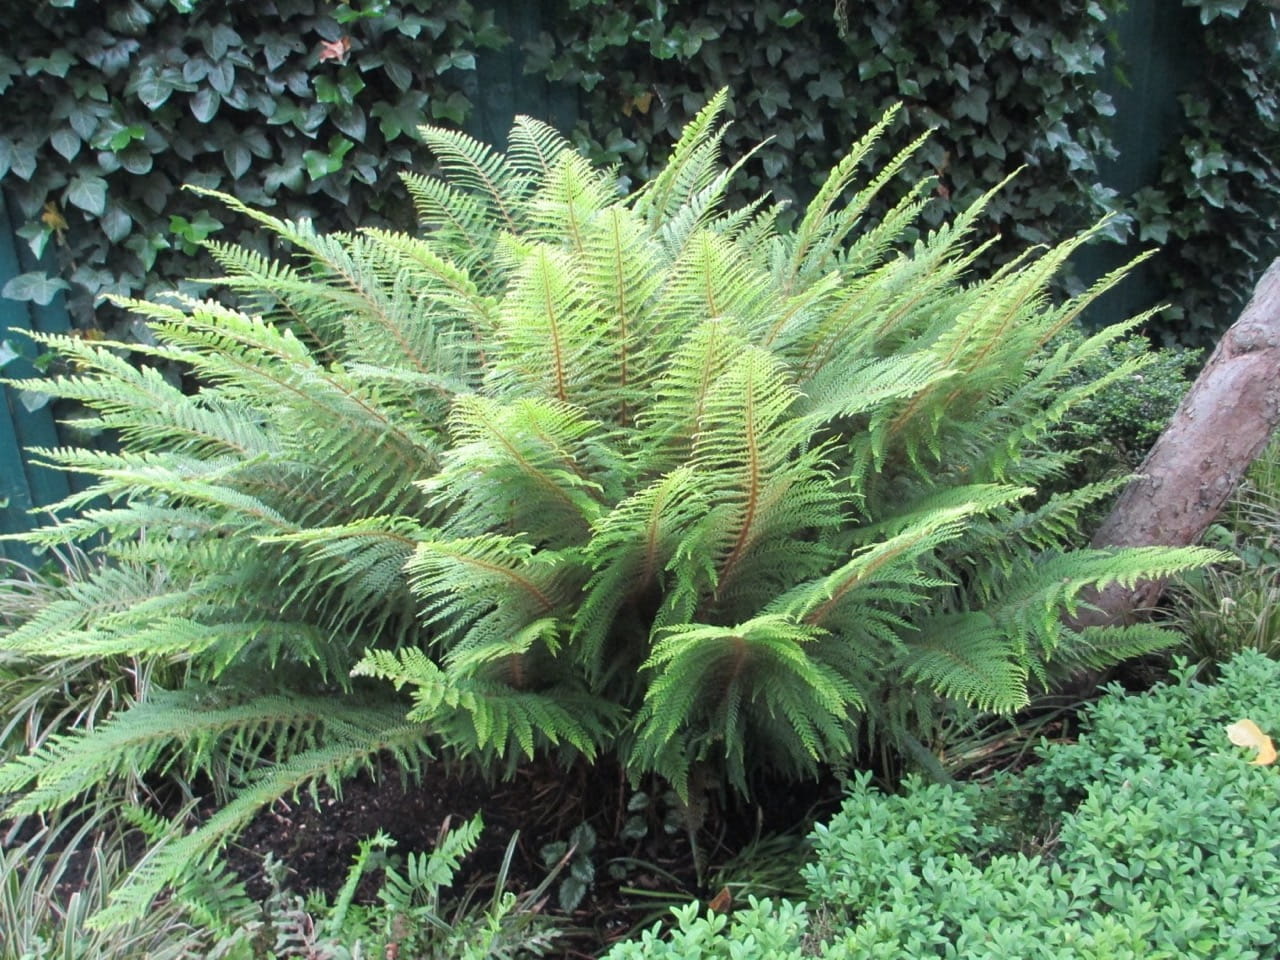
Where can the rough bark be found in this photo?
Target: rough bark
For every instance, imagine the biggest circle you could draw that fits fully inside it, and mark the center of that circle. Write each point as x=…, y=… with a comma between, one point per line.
x=1219, y=429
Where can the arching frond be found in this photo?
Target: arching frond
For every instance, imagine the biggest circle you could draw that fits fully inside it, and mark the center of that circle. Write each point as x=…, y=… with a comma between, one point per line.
x=711, y=686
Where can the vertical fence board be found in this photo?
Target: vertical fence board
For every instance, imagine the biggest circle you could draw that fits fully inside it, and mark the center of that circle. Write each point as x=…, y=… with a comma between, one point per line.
x=23, y=485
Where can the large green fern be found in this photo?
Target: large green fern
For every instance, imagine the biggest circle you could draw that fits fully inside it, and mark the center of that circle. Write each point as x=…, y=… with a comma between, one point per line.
x=584, y=472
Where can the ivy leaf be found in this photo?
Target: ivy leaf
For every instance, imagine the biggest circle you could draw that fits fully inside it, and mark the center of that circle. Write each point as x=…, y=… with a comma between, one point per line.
x=37, y=236
x=204, y=105
x=66, y=142
x=222, y=77
x=276, y=50
x=56, y=64
x=34, y=287
x=398, y=74
x=404, y=116
x=237, y=157
x=23, y=159
x=116, y=223
x=89, y=193
x=455, y=107
x=145, y=246
x=336, y=50
x=33, y=400
x=7, y=354
x=221, y=39
x=351, y=121
x=152, y=90
x=84, y=120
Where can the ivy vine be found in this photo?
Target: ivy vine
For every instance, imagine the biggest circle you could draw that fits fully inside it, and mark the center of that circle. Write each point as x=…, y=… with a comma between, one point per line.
x=1006, y=86
x=1216, y=205
x=308, y=107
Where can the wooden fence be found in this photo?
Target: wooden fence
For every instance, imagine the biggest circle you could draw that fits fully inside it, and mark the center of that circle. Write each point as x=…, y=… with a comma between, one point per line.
x=26, y=420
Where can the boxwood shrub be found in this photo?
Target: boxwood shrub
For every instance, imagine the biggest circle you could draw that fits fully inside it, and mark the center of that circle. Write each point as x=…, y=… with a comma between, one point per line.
x=1152, y=836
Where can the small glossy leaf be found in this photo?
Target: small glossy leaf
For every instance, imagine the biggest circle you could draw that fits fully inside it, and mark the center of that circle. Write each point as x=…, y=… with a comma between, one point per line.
x=204, y=104
x=89, y=193
x=34, y=287
x=66, y=142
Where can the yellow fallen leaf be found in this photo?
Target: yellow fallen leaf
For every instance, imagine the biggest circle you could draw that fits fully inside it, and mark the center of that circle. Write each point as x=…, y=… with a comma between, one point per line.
x=1245, y=733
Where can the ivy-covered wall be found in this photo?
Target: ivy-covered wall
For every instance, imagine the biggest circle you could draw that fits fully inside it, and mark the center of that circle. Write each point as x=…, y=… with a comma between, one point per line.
x=307, y=106
x=311, y=106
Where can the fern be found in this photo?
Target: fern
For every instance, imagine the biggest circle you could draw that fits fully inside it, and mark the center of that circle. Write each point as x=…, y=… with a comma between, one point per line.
x=575, y=473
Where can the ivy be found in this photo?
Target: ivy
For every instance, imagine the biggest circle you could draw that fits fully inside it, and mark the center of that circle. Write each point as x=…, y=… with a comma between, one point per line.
x=307, y=107
x=310, y=108
x=1216, y=205
x=1005, y=85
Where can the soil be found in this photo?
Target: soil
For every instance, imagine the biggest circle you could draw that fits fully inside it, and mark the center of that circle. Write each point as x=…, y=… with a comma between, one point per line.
x=540, y=805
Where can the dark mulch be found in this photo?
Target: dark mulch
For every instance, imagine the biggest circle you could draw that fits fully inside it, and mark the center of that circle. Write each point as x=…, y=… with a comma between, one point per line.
x=543, y=804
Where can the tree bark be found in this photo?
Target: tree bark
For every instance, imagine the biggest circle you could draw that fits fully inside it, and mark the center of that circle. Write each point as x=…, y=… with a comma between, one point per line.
x=1220, y=427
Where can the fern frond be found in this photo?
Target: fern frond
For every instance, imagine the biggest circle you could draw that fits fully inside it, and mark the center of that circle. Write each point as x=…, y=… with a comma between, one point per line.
x=189, y=730
x=490, y=718
x=674, y=414
x=820, y=231
x=522, y=463
x=554, y=343
x=483, y=171
x=1034, y=599
x=534, y=147
x=705, y=677
x=458, y=222
x=619, y=262
x=568, y=200
x=710, y=280
x=966, y=657
x=352, y=743
x=629, y=552
x=691, y=165
x=746, y=452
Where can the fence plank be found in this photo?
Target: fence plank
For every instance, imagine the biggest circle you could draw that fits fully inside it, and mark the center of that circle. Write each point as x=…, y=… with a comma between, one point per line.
x=23, y=485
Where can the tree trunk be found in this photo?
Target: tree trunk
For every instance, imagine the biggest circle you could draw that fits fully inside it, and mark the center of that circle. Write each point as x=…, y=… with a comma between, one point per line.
x=1219, y=429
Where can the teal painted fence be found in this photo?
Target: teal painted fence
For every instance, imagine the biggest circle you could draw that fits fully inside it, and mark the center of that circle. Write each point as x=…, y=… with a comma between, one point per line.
x=26, y=420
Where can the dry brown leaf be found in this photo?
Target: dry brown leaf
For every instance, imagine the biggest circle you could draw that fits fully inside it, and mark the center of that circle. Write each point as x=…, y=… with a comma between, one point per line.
x=1246, y=733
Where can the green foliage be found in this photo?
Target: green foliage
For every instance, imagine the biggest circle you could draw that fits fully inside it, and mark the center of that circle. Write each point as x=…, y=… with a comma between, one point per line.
x=411, y=916
x=55, y=876
x=1236, y=606
x=307, y=105
x=300, y=105
x=1215, y=206
x=1159, y=842
x=1001, y=86
x=583, y=472
x=1127, y=417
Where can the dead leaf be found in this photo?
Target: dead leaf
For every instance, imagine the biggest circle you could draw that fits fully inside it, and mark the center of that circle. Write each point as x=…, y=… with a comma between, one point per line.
x=1245, y=733
x=722, y=902
x=335, y=50
x=53, y=218
x=637, y=104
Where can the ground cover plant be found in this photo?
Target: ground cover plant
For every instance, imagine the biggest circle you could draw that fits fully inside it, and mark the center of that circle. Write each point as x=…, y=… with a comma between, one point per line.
x=1151, y=836
x=580, y=474
x=1236, y=605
